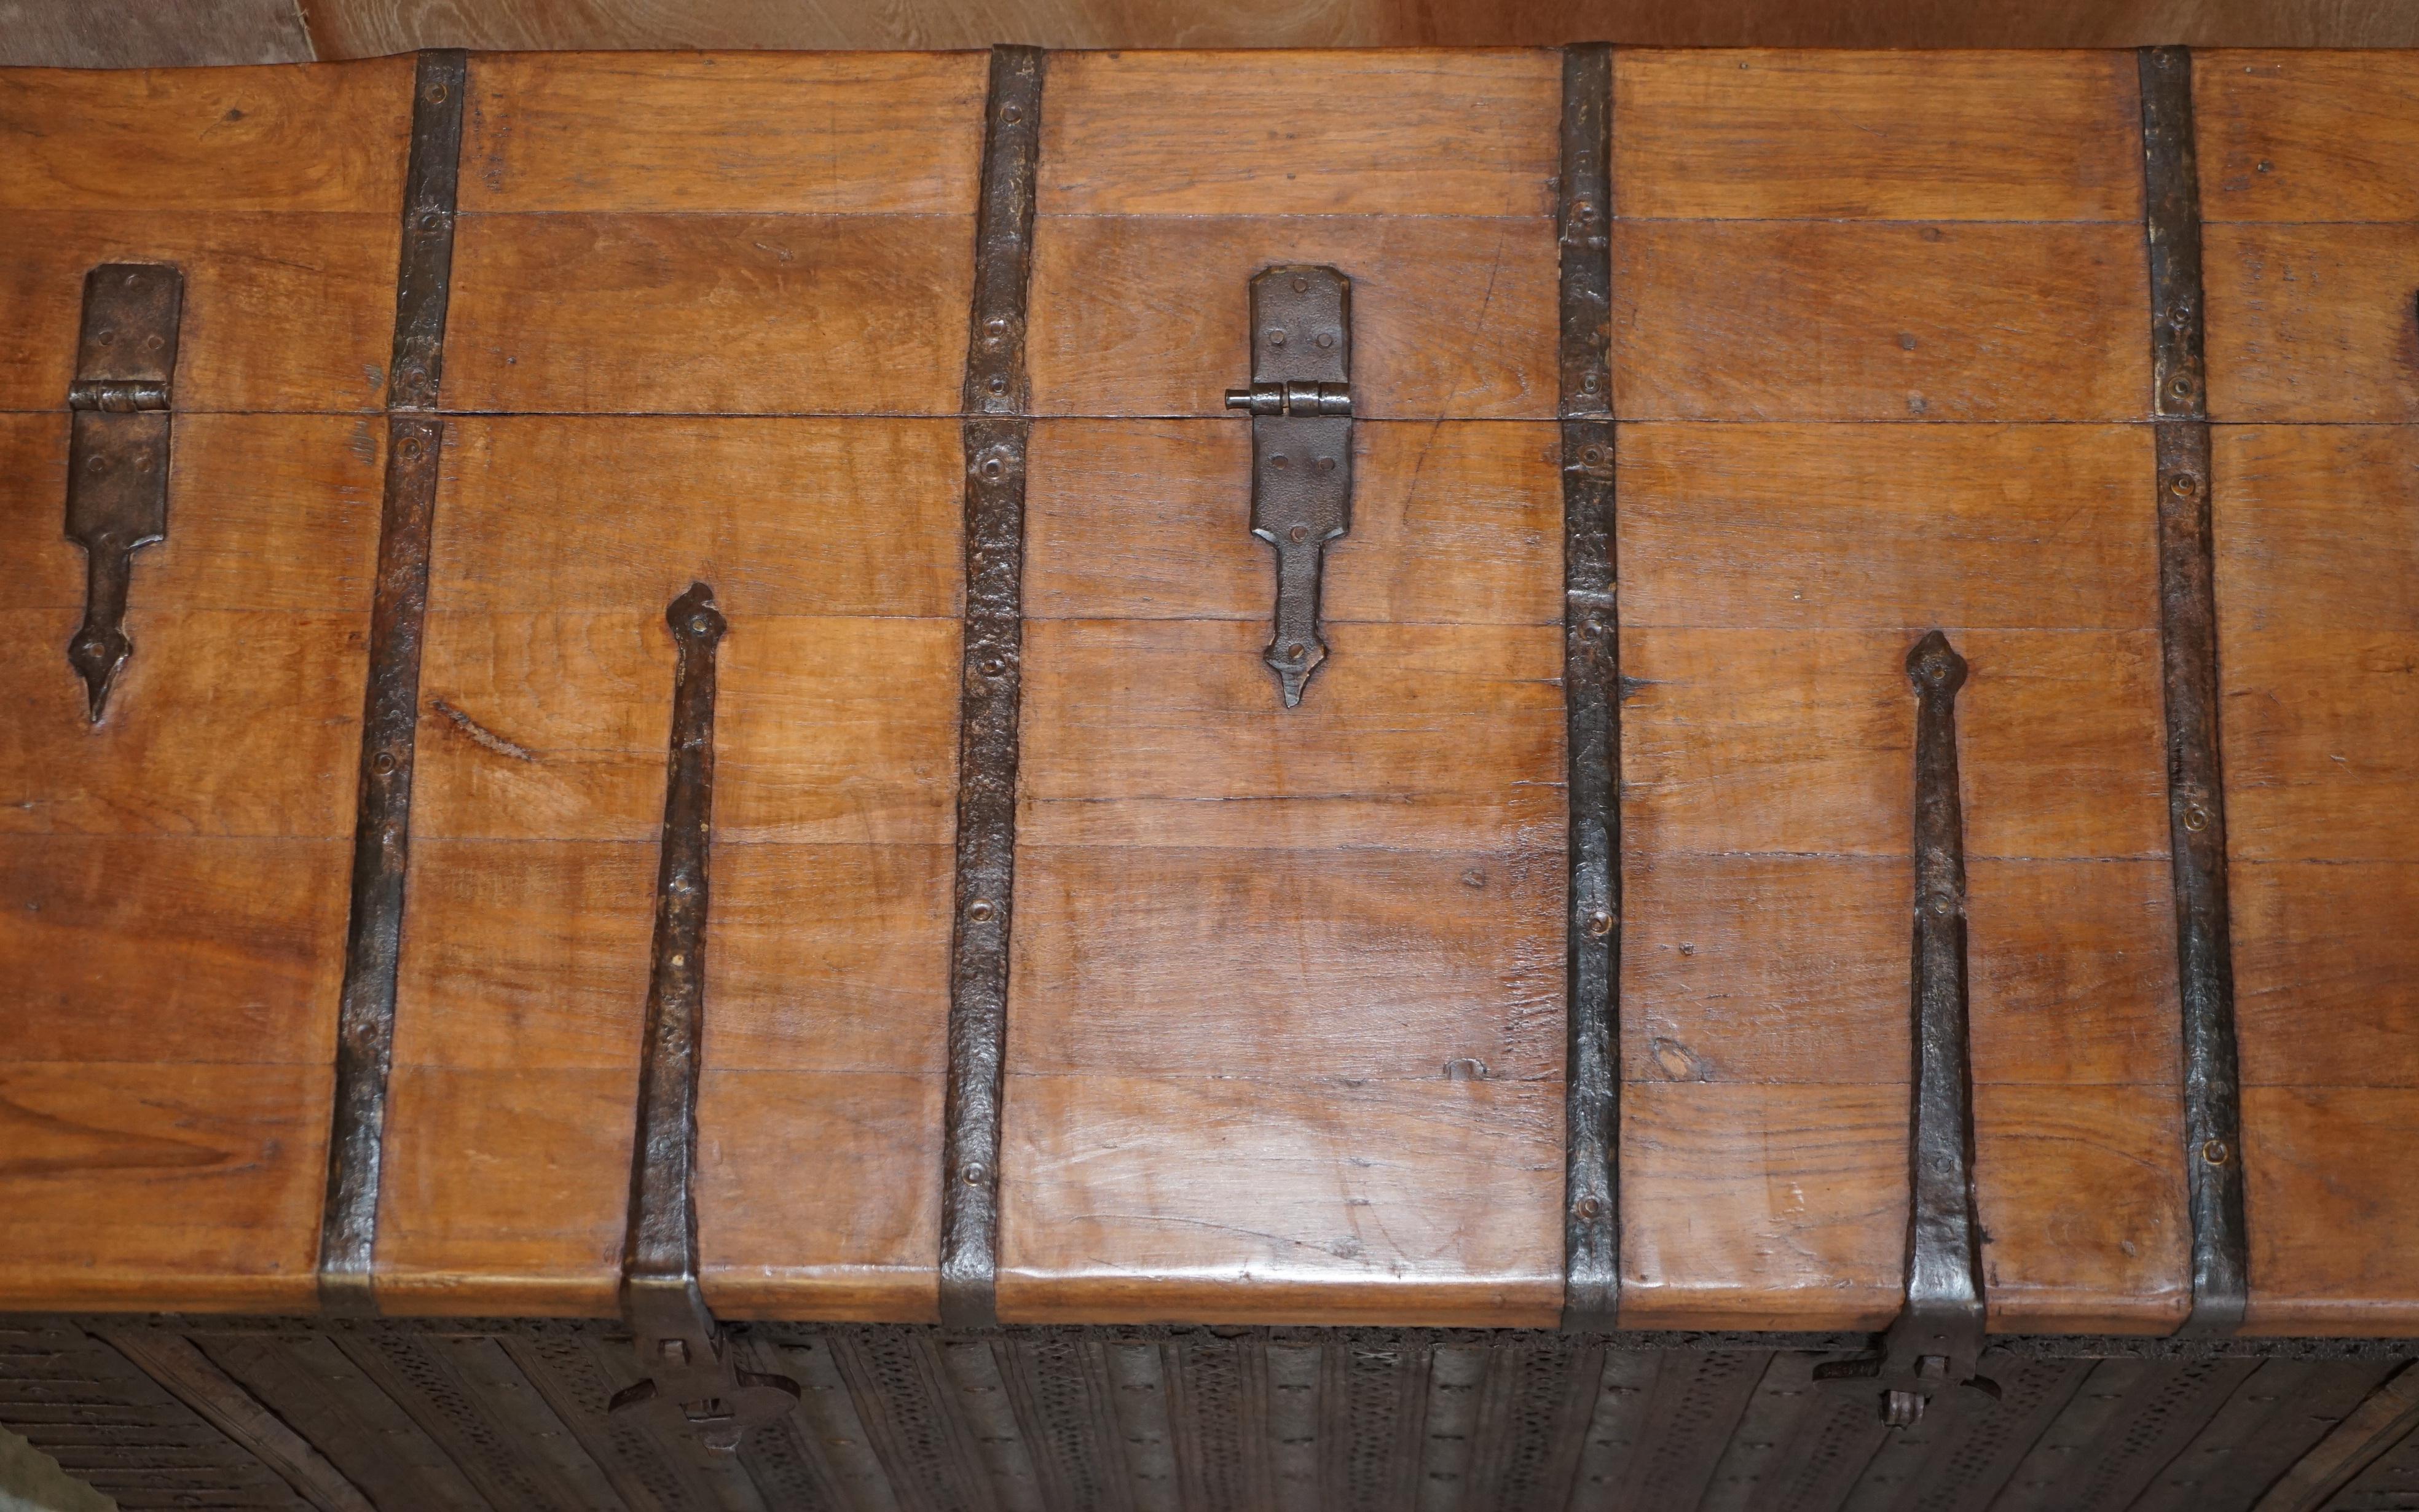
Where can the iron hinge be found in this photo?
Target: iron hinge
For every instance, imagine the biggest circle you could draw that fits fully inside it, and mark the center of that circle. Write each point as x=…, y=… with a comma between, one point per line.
x=117, y=451
x=1300, y=403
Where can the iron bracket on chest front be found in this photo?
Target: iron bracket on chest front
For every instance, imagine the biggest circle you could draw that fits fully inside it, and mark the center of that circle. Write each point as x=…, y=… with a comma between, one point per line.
x=1934, y=1353
x=117, y=451
x=691, y=1378
x=1300, y=403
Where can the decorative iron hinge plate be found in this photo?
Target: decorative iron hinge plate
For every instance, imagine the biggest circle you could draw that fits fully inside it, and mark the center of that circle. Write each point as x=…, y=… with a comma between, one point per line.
x=1935, y=1348
x=117, y=451
x=691, y=1379
x=1300, y=403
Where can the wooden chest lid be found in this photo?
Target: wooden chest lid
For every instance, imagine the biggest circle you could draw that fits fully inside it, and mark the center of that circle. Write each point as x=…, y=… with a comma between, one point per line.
x=1549, y=964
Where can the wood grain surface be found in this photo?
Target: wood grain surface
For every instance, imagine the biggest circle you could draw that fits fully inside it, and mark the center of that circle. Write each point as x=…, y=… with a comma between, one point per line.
x=2318, y=530
x=1819, y=320
x=2314, y=323
x=845, y=133
x=1394, y=134
x=172, y=880
x=2307, y=136
x=1881, y=136
x=1287, y=983
x=546, y=697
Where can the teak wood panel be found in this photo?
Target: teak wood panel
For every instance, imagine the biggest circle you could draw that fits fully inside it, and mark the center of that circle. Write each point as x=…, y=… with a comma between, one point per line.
x=1773, y=577
x=2307, y=136
x=277, y=191
x=546, y=698
x=174, y=879
x=2317, y=537
x=1758, y=134
x=1822, y=320
x=847, y=133
x=1287, y=983
x=727, y=234
x=1260, y=134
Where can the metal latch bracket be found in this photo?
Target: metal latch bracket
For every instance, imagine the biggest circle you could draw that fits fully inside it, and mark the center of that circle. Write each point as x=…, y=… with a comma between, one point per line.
x=117, y=451
x=1300, y=403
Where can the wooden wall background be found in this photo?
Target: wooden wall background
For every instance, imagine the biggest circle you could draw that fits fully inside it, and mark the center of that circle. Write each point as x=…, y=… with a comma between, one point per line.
x=160, y=32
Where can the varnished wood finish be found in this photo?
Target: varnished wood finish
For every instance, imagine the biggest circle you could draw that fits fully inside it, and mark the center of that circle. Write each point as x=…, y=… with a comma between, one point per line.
x=730, y=135
x=1900, y=136
x=1286, y=994
x=540, y=795
x=817, y=248
x=2320, y=610
x=1806, y=241
x=274, y=189
x=2307, y=136
x=175, y=877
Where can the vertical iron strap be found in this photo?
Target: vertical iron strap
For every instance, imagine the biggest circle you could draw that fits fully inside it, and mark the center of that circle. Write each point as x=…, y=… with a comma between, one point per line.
x=1591, y=698
x=1944, y=1259
x=996, y=432
x=390, y=702
x=659, y=1250
x=2188, y=627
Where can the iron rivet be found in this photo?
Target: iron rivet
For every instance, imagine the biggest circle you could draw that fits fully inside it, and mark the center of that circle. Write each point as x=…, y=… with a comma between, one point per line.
x=1593, y=457
x=408, y=449
x=998, y=382
x=95, y=462
x=2195, y=819
x=154, y=341
x=1276, y=336
x=1599, y=923
x=1587, y=384
x=105, y=336
x=2215, y=1151
x=1280, y=460
x=1941, y=908
x=1301, y=286
x=2179, y=387
x=1293, y=651
x=2183, y=485
x=1327, y=463
x=437, y=94
x=975, y=1174
x=979, y=910
x=1011, y=113
x=132, y=279
x=1325, y=341
x=383, y=763
x=701, y=625
x=993, y=468
x=1300, y=532
x=993, y=667
x=1591, y=1208
x=679, y=959
x=996, y=325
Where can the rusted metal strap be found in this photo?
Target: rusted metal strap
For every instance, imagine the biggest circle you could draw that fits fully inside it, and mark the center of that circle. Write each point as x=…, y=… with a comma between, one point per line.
x=117, y=451
x=996, y=433
x=1592, y=700
x=1934, y=1348
x=691, y=1377
x=1300, y=403
x=2188, y=626
x=390, y=703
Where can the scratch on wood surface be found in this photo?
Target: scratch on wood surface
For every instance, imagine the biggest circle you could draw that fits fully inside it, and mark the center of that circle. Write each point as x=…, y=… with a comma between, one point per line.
x=482, y=736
